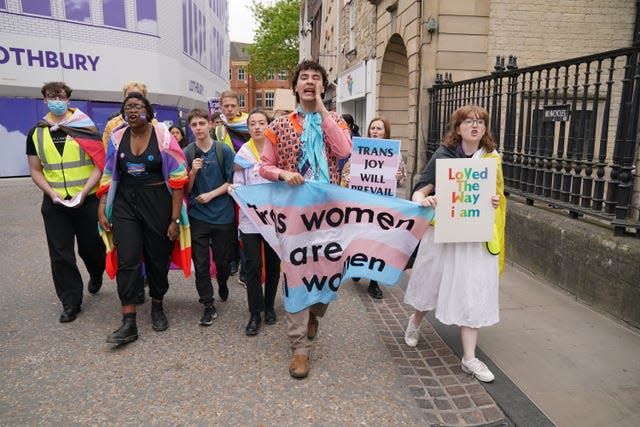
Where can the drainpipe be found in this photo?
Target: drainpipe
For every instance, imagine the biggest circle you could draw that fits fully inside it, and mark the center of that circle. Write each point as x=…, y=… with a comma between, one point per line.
x=420, y=100
x=636, y=33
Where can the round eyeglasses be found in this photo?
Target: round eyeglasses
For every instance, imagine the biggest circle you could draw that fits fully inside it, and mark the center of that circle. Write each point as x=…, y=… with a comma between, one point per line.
x=131, y=107
x=470, y=122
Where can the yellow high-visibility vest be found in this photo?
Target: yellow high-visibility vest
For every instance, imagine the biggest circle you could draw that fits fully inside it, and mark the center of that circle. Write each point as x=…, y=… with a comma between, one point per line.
x=68, y=173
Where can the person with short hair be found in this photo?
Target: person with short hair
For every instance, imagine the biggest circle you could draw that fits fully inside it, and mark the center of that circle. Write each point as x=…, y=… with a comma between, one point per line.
x=211, y=210
x=233, y=131
x=305, y=145
x=216, y=119
x=141, y=204
x=115, y=122
x=66, y=159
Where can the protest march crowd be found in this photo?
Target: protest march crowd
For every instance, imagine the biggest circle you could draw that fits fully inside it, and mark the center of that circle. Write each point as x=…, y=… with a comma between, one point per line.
x=140, y=200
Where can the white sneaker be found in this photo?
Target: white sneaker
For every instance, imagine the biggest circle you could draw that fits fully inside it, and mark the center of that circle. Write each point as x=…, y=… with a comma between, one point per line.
x=478, y=369
x=412, y=333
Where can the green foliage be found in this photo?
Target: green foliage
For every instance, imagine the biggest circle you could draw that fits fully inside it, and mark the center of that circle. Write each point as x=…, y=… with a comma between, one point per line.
x=276, y=38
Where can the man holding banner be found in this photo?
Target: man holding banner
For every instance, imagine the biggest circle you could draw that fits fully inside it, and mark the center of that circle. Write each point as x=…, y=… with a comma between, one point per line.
x=305, y=145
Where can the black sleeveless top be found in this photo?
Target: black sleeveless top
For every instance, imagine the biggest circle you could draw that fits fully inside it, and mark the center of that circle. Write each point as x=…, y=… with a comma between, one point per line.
x=143, y=169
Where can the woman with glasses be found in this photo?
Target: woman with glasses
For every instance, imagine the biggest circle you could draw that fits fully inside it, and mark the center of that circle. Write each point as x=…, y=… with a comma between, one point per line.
x=141, y=204
x=459, y=280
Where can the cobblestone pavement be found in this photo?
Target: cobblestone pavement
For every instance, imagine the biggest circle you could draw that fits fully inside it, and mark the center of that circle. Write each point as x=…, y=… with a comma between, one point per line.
x=446, y=395
x=65, y=374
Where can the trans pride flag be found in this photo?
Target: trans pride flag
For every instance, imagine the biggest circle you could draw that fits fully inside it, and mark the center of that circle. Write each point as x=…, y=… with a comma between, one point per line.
x=325, y=234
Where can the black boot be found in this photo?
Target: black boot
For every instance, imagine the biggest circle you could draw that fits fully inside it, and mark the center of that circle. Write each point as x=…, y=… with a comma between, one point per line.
x=223, y=291
x=127, y=332
x=94, y=284
x=158, y=319
x=254, y=325
x=270, y=316
x=374, y=290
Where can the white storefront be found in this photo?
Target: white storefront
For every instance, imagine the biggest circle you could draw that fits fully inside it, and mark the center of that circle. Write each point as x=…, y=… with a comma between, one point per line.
x=356, y=93
x=179, y=48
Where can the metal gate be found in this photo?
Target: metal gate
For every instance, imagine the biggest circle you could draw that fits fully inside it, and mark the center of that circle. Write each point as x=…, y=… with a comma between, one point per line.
x=567, y=130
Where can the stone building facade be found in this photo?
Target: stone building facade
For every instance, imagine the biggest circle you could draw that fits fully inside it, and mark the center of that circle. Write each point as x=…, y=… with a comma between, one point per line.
x=389, y=51
x=414, y=41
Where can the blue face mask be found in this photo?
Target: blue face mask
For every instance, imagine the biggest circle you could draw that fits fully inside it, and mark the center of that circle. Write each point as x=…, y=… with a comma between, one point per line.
x=57, y=107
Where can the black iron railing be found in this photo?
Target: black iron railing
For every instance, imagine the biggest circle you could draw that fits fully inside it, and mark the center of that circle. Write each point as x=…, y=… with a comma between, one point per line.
x=567, y=130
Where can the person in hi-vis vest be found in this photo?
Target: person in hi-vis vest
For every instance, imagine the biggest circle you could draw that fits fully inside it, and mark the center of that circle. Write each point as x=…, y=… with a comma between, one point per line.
x=66, y=158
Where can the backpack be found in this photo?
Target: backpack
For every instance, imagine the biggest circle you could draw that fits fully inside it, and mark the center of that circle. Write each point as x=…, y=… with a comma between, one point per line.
x=191, y=155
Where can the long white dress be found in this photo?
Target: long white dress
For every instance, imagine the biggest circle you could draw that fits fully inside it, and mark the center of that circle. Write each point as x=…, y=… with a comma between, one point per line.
x=459, y=280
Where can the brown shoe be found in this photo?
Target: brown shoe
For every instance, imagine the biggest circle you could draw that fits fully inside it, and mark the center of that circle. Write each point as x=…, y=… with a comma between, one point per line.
x=299, y=366
x=312, y=326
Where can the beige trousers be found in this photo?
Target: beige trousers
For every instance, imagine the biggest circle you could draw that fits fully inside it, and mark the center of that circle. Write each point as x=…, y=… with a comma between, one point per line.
x=297, y=324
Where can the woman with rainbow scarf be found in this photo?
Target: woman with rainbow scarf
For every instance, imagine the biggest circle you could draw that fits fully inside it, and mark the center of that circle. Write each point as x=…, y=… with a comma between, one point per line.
x=141, y=203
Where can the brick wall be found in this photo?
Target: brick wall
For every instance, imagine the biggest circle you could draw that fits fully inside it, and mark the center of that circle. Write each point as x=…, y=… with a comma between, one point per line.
x=365, y=30
x=553, y=30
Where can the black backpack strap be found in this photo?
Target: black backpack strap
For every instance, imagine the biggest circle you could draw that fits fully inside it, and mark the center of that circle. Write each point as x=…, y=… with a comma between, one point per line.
x=220, y=156
x=191, y=154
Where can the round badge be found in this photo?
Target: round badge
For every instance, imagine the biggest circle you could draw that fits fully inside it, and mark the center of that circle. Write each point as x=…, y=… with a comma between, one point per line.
x=150, y=157
x=122, y=155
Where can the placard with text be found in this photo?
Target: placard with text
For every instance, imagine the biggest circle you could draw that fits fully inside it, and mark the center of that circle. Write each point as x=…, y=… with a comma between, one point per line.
x=374, y=163
x=464, y=188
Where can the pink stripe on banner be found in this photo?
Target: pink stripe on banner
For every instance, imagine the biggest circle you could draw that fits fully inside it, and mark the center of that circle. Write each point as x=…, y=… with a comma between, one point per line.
x=334, y=214
x=393, y=258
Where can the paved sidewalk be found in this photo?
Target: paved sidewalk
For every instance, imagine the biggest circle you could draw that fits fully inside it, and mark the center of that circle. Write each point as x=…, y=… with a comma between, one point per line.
x=578, y=366
x=432, y=371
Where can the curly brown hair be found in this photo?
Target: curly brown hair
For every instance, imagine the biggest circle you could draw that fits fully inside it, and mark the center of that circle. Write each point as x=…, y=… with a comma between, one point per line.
x=305, y=65
x=453, y=138
x=55, y=88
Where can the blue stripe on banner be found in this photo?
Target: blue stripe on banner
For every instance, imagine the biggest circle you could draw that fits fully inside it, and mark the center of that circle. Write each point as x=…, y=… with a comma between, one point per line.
x=273, y=194
x=242, y=162
x=300, y=297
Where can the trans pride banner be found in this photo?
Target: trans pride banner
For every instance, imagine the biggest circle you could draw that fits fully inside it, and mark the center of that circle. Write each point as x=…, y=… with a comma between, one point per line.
x=325, y=234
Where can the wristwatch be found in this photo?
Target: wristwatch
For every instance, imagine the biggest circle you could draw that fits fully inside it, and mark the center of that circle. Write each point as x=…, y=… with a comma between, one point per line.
x=177, y=221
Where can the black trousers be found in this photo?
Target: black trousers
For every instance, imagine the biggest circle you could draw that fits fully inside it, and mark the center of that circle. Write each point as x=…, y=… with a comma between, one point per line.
x=141, y=218
x=63, y=226
x=253, y=245
x=218, y=237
